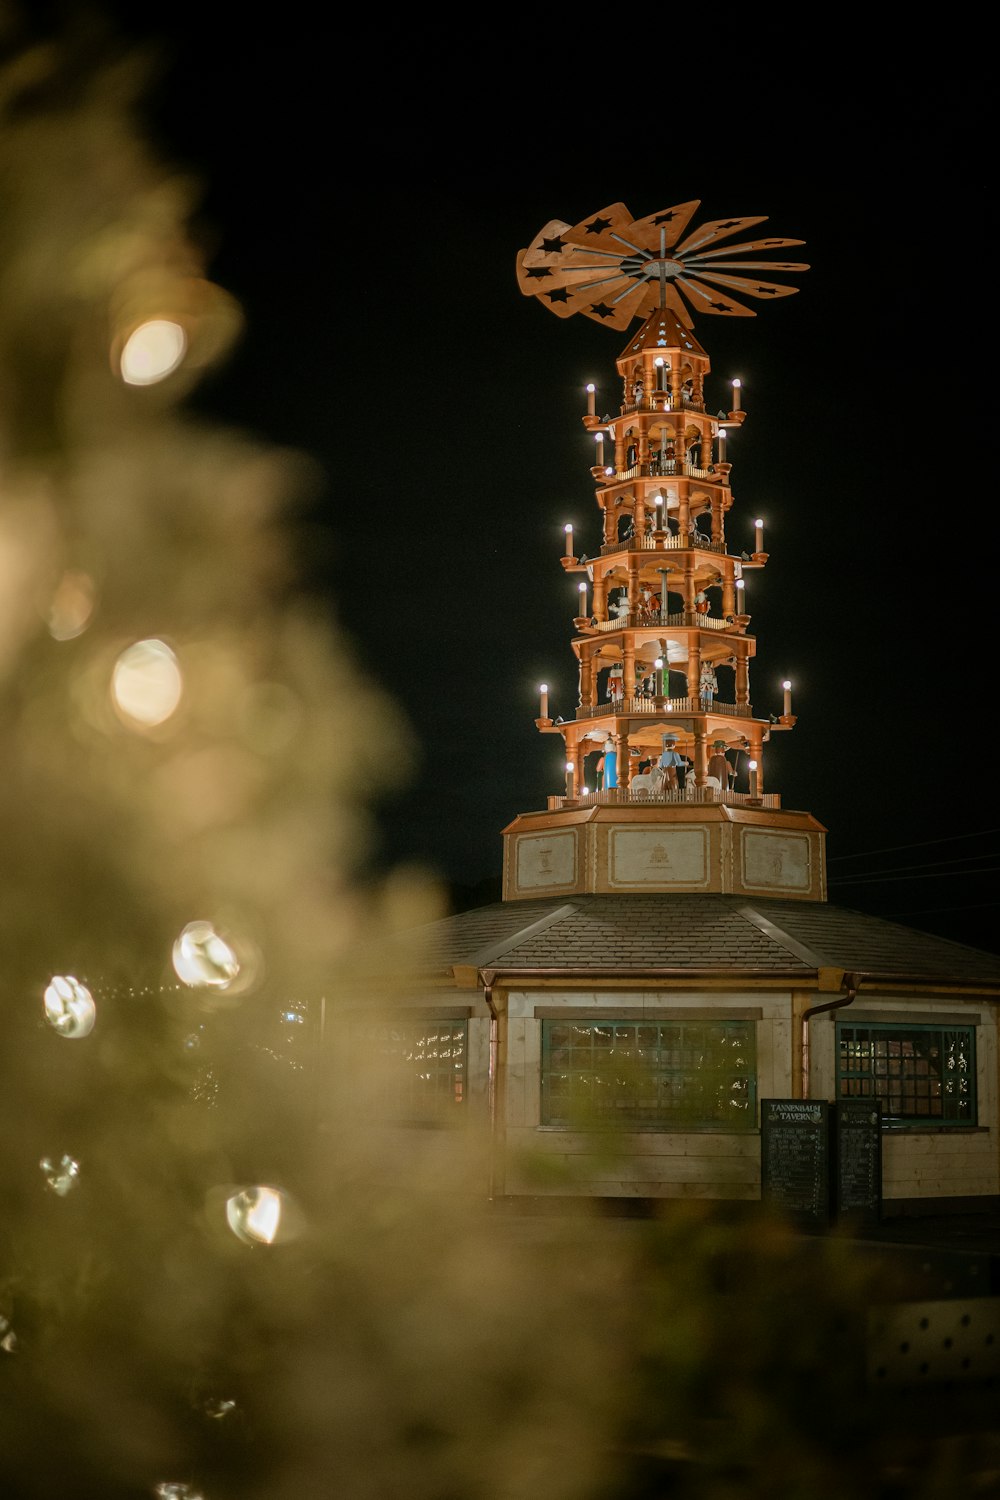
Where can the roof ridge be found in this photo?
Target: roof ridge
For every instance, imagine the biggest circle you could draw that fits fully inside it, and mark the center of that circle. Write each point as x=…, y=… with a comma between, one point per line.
x=496, y=950
x=784, y=940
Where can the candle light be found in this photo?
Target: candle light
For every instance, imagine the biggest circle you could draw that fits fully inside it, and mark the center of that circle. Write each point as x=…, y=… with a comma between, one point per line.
x=583, y=597
x=591, y=410
x=741, y=597
x=568, y=528
x=788, y=699
x=722, y=445
x=658, y=506
x=544, y=691
x=599, y=437
x=658, y=362
x=759, y=540
x=737, y=384
x=569, y=778
x=753, y=778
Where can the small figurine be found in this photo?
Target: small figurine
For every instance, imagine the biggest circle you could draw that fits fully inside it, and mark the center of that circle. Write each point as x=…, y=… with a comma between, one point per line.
x=670, y=760
x=718, y=765
x=608, y=765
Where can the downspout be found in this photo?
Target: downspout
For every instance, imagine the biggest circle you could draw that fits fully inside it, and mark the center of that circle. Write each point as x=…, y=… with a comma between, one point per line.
x=851, y=982
x=487, y=977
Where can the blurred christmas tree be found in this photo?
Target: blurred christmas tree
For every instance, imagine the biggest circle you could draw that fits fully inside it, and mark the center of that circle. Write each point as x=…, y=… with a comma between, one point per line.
x=216, y=1280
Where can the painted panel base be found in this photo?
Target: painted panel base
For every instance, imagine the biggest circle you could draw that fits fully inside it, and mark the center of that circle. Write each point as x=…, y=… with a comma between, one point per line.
x=546, y=860
x=775, y=861
x=658, y=858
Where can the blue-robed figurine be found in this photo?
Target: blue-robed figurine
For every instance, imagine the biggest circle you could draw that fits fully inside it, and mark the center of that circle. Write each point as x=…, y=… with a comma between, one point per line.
x=609, y=764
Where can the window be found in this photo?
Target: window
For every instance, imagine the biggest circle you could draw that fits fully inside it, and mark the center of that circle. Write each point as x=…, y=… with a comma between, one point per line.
x=649, y=1075
x=924, y=1075
x=416, y=1065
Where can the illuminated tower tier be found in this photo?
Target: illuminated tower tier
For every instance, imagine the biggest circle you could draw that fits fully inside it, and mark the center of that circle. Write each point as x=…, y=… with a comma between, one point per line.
x=661, y=638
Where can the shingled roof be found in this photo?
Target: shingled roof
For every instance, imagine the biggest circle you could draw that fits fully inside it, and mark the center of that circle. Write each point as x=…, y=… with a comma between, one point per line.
x=693, y=934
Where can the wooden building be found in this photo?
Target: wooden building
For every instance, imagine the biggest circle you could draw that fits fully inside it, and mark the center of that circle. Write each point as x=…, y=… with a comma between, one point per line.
x=664, y=959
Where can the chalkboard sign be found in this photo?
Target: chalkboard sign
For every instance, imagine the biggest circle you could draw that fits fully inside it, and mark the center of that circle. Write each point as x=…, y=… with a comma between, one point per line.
x=858, y=1150
x=795, y=1157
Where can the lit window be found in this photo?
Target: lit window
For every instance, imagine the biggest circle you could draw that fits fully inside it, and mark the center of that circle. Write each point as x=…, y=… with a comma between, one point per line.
x=417, y=1065
x=923, y=1075
x=666, y=1075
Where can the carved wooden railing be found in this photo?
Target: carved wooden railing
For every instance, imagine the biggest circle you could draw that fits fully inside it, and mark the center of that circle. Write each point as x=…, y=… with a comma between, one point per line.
x=618, y=796
x=642, y=705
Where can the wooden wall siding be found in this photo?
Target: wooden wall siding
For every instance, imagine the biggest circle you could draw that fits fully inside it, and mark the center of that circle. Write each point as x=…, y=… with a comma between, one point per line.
x=639, y=1165
x=942, y=1164
x=478, y=1061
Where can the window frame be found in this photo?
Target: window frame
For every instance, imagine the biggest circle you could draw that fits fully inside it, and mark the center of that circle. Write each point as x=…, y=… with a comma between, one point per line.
x=680, y=1121
x=887, y=1031
x=376, y=1033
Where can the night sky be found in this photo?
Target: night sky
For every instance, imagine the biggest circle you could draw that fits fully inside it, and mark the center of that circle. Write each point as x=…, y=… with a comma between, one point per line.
x=365, y=197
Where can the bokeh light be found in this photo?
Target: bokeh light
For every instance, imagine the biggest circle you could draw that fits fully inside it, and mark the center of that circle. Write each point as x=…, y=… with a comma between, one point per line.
x=72, y=606
x=152, y=352
x=60, y=1175
x=69, y=1007
x=146, y=683
x=255, y=1215
x=203, y=959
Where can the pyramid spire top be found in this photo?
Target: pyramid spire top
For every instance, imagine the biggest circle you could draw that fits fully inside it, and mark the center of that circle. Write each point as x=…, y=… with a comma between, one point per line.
x=613, y=268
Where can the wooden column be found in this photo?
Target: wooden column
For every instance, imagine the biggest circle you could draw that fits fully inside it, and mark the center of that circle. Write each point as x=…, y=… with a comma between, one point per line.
x=689, y=589
x=700, y=756
x=742, y=681
x=589, y=677
x=633, y=584
x=622, y=765
x=600, y=599
x=694, y=672
x=728, y=588
x=628, y=666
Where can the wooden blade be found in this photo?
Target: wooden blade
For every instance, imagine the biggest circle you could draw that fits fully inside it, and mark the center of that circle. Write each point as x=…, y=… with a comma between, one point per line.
x=704, y=299
x=718, y=229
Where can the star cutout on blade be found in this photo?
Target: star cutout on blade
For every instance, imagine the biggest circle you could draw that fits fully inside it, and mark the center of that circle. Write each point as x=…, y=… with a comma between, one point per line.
x=614, y=268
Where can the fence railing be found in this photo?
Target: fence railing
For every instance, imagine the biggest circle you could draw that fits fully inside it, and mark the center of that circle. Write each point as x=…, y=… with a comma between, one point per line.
x=634, y=618
x=654, y=706
x=618, y=796
x=665, y=543
x=663, y=467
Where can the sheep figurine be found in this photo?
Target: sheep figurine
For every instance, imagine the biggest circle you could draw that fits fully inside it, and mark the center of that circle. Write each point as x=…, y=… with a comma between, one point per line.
x=648, y=783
